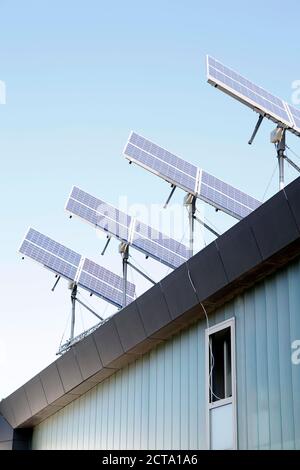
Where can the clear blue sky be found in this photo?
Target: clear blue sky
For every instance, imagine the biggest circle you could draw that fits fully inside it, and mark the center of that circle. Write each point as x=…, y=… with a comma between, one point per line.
x=80, y=75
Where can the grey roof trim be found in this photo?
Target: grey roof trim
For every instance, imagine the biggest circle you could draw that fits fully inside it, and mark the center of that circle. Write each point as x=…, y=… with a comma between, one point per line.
x=259, y=244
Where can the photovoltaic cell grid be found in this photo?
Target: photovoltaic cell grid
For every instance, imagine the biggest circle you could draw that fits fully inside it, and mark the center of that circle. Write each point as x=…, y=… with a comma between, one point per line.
x=226, y=197
x=96, y=278
x=252, y=95
x=67, y=263
x=161, y=162
x=98, y=213
x=143, y=232
x=295, y=114
x=146, y=239
x=210, y=189
x=51, y=254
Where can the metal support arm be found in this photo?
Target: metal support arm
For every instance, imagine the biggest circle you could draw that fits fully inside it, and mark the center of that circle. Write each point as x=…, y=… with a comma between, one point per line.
x=106, y=245
x=55, y=284
x=296, y=167
x=207, y=227
x=170, y=195
x=141, y=272
x=256, y=129
x=89, y=309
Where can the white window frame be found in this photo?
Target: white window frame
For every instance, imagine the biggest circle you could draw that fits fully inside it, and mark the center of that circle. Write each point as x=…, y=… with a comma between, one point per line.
x=230, y=323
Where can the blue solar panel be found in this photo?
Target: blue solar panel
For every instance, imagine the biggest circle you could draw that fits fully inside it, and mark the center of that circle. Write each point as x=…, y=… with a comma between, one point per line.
x=113, y=280
x=95, y=286
x=226, y=197
x=295, y=112
x=51, y=254
x=117, y=223
x=67, y=263
x=161, y=162
x=158, y=252
x=194, y=180
x=250, y=94
x=98, y=213
x=142, y=231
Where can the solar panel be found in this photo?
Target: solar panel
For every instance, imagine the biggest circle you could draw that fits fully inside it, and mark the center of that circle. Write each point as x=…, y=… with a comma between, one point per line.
x=161, y=162
x=252, y=95
x=225, y=197
x=188, y=177
x=127, y=229
x=51, y=254
x=72, y=266
x=295, y=113
x=97, y=279
x=98, y=213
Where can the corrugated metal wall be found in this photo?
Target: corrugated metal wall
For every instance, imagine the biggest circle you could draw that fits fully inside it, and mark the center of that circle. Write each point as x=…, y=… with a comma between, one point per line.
x=159, y=401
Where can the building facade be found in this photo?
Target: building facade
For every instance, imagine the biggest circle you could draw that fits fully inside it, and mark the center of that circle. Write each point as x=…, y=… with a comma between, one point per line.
x=205, y=359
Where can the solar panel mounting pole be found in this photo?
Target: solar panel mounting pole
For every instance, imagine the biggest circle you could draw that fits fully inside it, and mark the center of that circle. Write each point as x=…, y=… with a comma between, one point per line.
x=190, y=203
x=73, y=301
x=124, y=250
x=281, y=147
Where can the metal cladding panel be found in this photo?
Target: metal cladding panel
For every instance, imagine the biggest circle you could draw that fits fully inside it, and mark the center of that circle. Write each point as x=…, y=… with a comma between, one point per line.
x=108, y=343
x=69, y=370
x=274, y=225
x=52, y=383
x=20, y=406
x=158, y=402
x=239, y=250
x=154, y=312
x=292, y=192
x=87, y=357
x=179, y=292
x=35, y=394
x=6, y=431
x=207, y=271
x=130, y=327
x=7, y=412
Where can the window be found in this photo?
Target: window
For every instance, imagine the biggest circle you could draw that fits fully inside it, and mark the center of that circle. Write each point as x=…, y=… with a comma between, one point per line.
x=220, y=365
x=220, y=384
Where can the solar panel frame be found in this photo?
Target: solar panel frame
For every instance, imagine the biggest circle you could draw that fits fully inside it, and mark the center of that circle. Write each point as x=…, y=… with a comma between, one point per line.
x=226, y=197
x=99, y=272
x=93, y=216
x=164, y=249
x=83, y=271
x=162, y=254
x=188, y=178
x=231, y=200
x=295, y=115
x=35, y=247
x=99, y=285
x=277, y=111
